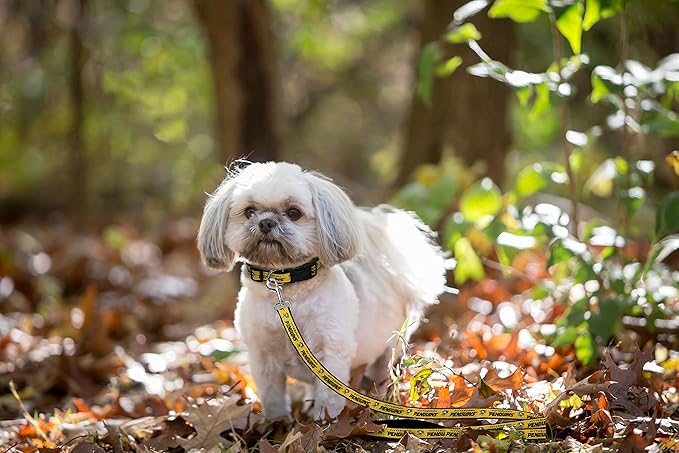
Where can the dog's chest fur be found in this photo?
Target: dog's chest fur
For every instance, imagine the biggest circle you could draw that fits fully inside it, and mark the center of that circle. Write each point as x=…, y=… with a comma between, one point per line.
x=325, y=309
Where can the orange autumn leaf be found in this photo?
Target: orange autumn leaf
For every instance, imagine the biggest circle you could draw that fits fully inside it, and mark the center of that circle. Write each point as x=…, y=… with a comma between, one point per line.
x=512, y=382
x=442, y=397
x=476, y=343
x=461, y=391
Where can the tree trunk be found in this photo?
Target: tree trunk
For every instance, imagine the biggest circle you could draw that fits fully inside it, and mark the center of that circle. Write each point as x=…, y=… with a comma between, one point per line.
x=245, y=75
x=467, y=113
x=77, y=161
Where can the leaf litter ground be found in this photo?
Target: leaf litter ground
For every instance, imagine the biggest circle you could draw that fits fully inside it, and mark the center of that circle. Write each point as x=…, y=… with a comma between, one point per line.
x=106, y=345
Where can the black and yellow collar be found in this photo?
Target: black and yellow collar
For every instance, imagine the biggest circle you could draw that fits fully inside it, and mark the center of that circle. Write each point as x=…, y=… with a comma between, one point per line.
x=296, y=274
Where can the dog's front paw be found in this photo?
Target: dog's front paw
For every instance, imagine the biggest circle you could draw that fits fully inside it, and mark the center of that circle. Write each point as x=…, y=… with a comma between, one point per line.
x=327, y=403
x=277, y=409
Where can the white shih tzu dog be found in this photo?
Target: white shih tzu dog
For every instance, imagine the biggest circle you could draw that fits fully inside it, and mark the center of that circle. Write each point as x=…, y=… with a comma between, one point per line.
x=355, y=275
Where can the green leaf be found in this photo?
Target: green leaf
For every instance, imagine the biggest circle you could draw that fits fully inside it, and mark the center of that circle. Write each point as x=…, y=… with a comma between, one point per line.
x=575, y=314
x=564, y=249
x=537, y=176
x=443, y=190
x=599, y=89
x=173, y=131
x=481, y=199
x=524, y=94
x=455, y=227
x=448, y=67
x=633, y=198
x=598, y=10
x=425, y=71
x=419, y=384
x=605, y=81
x=569, y=24
x=415, y=361
x=661, y=121
x=605, y=321
x=468, y=263
x=667, y=216
x=585, y=348
x=518, y=10
x=542, y=101
x=576, y=159
x=463, y=33
x=412, y=196
x=567, y=337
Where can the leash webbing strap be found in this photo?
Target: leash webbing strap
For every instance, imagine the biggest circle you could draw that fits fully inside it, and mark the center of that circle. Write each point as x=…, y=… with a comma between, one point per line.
x=529, y=425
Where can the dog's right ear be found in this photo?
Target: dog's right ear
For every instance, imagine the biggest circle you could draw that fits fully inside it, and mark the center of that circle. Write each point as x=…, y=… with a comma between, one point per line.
x=212, y=233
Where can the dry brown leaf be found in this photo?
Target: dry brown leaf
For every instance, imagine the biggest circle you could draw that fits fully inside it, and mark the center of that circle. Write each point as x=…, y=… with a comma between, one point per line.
x=212, y=418
x=476, y=400
x=113, y=438
x=346, y=426
x=628, y=387
x=411, y=444
x=512, y=382
x=312, y=437
x=172, y=430
x=461, y=391
x=289, y=444
x=266, y=447
x=86, y=446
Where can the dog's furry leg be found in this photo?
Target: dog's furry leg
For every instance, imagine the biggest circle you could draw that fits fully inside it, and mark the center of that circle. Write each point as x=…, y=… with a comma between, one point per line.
x=326, y=399
x=270, y=380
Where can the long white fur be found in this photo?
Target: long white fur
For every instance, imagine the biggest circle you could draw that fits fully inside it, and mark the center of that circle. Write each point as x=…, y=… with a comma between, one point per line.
x=380, y=268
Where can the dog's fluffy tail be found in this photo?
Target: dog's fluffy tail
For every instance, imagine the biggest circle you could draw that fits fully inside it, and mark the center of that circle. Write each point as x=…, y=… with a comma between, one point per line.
x=418, y=263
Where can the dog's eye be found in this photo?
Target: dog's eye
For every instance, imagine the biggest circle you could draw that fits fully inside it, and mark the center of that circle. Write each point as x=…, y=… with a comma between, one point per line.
x=293, y=214
x=249, y=211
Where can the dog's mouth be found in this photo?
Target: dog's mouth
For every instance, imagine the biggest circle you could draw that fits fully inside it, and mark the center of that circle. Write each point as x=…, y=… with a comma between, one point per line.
x=269, y=251
x=269, y=243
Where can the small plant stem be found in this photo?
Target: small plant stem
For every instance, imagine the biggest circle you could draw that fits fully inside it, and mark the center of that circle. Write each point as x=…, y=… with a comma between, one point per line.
x=565, y=146
x=27, y=415
x=624, y=55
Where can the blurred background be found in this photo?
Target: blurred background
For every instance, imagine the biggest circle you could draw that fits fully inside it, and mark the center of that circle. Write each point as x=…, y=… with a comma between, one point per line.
x=126, y=111
x=117, y=116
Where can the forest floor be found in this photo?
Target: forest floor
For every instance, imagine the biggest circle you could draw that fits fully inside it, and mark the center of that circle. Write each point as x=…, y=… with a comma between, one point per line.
x=122, y=342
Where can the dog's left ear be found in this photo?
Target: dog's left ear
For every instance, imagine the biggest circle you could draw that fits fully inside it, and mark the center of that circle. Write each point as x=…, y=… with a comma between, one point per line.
x=336, y=221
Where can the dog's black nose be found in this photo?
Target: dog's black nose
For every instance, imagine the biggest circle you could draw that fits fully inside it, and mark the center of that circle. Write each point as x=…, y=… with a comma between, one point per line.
x=266, y=225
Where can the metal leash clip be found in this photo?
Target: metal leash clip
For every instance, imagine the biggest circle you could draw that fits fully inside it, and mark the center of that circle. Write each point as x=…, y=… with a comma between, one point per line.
x=273, y=286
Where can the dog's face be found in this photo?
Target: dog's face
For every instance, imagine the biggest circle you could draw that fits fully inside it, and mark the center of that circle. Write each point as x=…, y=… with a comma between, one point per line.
x=275, y=215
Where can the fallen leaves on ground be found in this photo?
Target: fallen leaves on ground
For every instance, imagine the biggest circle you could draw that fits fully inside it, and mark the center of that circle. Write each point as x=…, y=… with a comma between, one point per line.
x=110, y=345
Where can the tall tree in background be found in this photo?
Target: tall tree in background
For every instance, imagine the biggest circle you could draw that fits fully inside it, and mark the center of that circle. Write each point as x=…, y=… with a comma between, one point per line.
x=77, y=162
x=466, y=112
x=246, y=80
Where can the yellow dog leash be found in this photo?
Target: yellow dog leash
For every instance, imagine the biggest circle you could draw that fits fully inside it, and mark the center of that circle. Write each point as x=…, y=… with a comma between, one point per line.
x=528, y=425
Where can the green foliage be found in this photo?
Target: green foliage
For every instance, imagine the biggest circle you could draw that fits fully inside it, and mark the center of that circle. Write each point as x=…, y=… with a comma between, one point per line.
x=569, y=23
x=480, y=200
x=539, y=176
x=519, y=10
x=449, y=66
x=600, y=9
x=593, y=278
x=667, y=215
x=425, y=70
x=468, y=262
x=463, y=33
